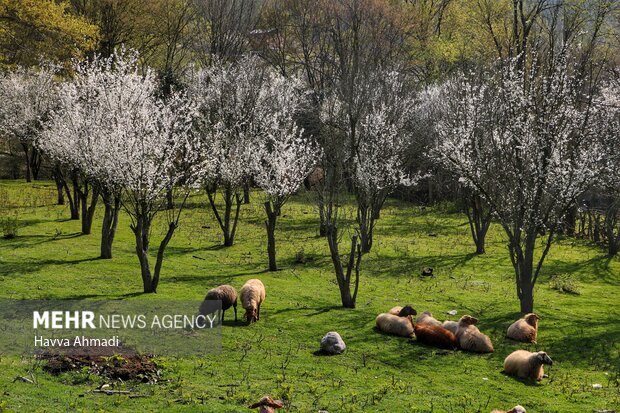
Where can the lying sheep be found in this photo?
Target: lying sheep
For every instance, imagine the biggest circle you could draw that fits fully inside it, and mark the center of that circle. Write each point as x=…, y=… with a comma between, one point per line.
x=427, y=318
x=267, y=405
x=403, y=311
x=516, y=409
x=524, y=329
x=227, y=294
x=435, y=336
x=526, y=365
x=470, y=338
x=395, y=325
x=451, y=325
x=252, y=296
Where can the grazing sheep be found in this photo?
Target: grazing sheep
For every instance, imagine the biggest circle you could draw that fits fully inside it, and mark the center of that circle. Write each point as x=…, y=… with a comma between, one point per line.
x=393, y=324
x=252, y=296
x=524, y=329
x=516, y=409
x=470, y=338
x=526, y=365
x=267, y=405
x=451, y=325
x=435, y=336
x=403, y=311
x=427, y=318
x=227, y=294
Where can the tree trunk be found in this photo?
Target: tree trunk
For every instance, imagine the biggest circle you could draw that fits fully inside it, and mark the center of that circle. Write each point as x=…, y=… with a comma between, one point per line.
x=160, y=255
x=60, y=184
x=611, y=228
x=523, y=262
x=344, y=278
x=111, y=204
x=35, y=162
x=228, y=222
x=322, y=225
x=246, y=193
x=141, y=232
x=479, y=218
x=74, y=200
x=169, y=199
x=273, y=211
x=88, y=209
x=27, y=152
x=570, y=221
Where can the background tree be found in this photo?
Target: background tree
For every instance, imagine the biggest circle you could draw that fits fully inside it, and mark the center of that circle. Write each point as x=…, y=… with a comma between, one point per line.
x=229, y=99
x=283, y=157
x=28, y=96
x=130, y=141
x=31, y=30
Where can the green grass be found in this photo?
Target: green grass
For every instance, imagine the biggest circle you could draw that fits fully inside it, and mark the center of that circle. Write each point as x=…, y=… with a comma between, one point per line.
x=378, y=373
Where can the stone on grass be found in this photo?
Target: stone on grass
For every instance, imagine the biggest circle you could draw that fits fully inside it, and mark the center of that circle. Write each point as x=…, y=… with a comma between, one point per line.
x=332, y=343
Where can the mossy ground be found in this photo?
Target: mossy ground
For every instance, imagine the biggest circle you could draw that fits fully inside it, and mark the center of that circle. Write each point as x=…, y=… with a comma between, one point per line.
x=378, y=373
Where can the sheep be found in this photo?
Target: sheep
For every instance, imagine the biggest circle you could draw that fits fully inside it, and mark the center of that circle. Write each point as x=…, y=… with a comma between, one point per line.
x=516, y=409
x=526, y=365
x=267, y=405
x=525, y=329
x=393, y=324
x=451, y=325
x=403, y=311
x=227, y=294
x=252, y=296
x=470, y=338
x=435, y=336
x=427, y=318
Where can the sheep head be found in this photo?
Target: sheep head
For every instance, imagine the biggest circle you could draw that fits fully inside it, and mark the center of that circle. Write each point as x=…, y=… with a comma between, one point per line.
x=468, y=320
x=543, y=358
x=251, y=315
x=532, y=319
x=407, y=311
x=517, y=409
x=267, y=401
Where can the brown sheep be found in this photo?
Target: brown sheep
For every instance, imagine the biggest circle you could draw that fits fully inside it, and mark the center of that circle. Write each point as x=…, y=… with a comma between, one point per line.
x=267, y=405
x=526, y=365
x=252, y=296
x=227, y=294
x=435, y=336
x=395, y=325
x=470, y=338
x=516, y=409
x=427, y=318
x=403, y=311
x=525, y=329
x=451, y=325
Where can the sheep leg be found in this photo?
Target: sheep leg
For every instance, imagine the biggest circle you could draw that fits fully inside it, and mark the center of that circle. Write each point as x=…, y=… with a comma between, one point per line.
x=223, y=312
x=235, y=308
x=258, y=313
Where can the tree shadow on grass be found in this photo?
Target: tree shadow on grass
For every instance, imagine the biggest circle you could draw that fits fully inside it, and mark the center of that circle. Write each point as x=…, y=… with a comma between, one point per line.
x=25, y=241
x=11, y=268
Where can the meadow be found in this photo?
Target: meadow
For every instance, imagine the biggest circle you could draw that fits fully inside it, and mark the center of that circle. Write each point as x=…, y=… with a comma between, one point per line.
x=580, y=329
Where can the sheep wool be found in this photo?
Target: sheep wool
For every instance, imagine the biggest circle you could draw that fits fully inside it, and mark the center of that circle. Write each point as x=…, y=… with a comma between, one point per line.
x=451, y=325
x=225, y=293
x=395, y=325
x=470, y=338
x=516, y=409
x=267, y=405
x=252, y=296
x=525, y=329
x=427, y=318
x=435, y=336
x=526, y=365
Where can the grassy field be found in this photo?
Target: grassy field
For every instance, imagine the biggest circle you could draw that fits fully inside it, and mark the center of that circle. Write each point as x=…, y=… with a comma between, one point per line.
x=378, y=373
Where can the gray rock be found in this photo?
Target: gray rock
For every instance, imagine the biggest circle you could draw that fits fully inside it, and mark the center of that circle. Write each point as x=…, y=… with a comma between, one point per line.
x=332, y=343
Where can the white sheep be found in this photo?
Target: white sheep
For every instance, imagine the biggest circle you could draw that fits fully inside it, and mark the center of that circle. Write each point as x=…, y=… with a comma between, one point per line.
x=525, y=329
x=427, y=318
x=526, y=365
x=395, y=325
x=252, y=296
x=470, y=338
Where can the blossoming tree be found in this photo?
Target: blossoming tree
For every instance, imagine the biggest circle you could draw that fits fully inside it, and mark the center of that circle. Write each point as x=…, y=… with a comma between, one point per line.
x=518, y=152
x=113, y=127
